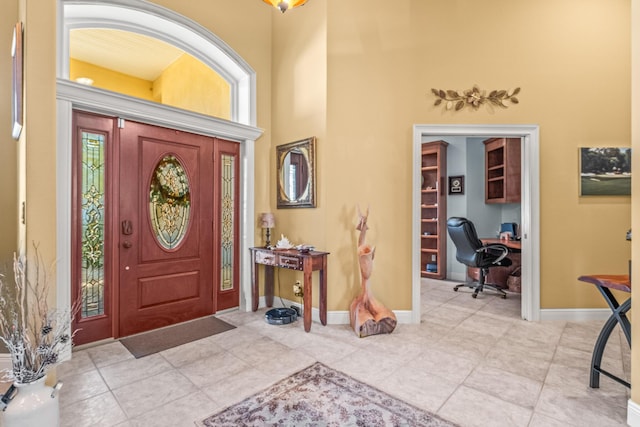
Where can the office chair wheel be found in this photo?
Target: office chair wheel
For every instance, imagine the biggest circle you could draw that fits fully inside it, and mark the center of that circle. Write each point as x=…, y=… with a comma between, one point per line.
x=503, y=296
x=455, y=289
x=474, y=295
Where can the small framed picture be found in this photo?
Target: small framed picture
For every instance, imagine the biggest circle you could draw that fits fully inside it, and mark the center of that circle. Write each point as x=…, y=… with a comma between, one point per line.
x=605, y=171
x=456, y=184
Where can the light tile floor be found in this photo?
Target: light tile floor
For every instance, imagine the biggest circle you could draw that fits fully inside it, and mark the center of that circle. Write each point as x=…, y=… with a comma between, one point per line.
x=472, y=361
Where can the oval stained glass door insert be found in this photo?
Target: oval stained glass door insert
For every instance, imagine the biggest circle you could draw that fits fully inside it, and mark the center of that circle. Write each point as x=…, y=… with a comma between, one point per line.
x=169, y=202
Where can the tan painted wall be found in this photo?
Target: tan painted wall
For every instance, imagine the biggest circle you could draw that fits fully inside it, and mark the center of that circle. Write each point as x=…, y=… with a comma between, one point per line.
x=571, y=61
x=299, y=107
x=365, y=153
x=382, y=63
x=105, y=78
x=190, y=84
x=186, y=83
x=39, y=134
x=9, y=206
x=570, y=58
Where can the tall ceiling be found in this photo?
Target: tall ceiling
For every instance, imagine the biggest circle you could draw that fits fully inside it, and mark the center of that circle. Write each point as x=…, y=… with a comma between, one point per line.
x=126, y=52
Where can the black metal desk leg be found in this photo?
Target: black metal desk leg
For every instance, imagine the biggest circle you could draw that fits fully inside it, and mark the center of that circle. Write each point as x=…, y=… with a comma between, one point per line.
x=619, y=311
x=618, y=317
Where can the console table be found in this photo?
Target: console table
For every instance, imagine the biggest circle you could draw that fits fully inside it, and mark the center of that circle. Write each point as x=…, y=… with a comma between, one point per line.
x=292, y=259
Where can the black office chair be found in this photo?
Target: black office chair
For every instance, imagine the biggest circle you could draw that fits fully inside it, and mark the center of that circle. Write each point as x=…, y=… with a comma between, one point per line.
x=473, y=253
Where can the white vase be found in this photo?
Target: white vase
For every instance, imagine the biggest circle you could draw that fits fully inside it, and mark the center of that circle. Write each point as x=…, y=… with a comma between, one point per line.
x=35, y=404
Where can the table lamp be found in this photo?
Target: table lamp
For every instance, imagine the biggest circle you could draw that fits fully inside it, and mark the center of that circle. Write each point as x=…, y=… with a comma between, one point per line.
x=267, y=221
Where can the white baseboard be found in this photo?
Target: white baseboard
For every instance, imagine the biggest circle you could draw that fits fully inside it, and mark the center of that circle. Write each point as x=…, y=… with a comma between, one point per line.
x=633, y=414
x=335, y=317
x=404, y=316
x=575, y=314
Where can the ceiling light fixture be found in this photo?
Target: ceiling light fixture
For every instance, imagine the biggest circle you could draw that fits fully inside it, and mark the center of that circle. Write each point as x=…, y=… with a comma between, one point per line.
x=284, y=5
x=84, y=81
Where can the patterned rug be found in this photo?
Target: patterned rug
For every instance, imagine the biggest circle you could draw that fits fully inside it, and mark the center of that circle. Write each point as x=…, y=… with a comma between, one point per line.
x=321, y=396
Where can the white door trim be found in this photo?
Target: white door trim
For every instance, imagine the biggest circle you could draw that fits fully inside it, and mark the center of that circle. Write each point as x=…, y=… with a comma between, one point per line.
x=530, y=205
x=153, y=20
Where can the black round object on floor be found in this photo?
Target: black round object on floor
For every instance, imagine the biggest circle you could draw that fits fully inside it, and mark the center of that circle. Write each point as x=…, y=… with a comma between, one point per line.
x=280, y=316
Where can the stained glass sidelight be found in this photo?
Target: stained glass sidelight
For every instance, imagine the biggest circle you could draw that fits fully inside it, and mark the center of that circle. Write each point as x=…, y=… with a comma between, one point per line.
x=227, y=222
x=169, y=202
x=93, y=218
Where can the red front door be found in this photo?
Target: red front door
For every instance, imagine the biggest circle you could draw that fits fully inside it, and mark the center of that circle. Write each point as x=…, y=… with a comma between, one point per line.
x=155, y=227
x=165, y=217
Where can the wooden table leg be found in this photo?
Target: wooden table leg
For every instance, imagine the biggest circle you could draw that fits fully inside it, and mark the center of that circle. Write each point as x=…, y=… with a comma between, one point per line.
x=255, y=279
x=268, y=285
x=307, y=267
x=323, y=291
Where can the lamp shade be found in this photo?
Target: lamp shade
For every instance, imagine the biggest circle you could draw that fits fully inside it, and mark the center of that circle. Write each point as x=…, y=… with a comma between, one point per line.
x=284, y=5
x=267, y=220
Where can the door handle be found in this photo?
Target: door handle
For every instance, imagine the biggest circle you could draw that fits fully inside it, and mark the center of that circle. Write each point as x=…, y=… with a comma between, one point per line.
x=127, y=227
x=126, y=244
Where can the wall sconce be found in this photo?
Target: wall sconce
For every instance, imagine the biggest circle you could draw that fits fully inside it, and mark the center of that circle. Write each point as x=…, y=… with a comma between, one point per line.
x=284, y=5
x=267, y=221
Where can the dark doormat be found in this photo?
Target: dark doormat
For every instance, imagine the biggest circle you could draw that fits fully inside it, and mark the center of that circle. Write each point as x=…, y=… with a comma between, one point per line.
x=147, y=343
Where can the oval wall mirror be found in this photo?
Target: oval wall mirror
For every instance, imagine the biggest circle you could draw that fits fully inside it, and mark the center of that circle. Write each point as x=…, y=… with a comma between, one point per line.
x=296, y=174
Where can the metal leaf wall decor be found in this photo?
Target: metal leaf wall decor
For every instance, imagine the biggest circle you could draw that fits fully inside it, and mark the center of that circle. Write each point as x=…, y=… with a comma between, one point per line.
x=475, y=97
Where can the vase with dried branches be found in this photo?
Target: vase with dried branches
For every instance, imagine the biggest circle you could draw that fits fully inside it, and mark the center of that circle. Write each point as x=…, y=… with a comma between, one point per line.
x=35, y=336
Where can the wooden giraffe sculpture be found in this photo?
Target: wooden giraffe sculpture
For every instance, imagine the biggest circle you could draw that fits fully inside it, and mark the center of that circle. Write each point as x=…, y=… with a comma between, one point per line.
x=367, y=315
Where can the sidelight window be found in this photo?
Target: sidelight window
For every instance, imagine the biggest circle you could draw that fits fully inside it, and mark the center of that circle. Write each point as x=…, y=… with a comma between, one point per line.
x=93, y=218
x=227, y=222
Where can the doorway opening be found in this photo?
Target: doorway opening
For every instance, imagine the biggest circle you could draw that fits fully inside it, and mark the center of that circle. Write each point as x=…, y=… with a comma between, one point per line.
x=155, y=21
x=529, y=212
x=154, y=226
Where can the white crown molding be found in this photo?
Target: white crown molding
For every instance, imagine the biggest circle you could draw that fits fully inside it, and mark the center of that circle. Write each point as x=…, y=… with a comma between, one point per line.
x=106, y=102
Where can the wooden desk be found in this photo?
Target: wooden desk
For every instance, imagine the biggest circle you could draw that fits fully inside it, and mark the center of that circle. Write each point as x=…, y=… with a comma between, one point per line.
x=511, y=244
x=293, y=260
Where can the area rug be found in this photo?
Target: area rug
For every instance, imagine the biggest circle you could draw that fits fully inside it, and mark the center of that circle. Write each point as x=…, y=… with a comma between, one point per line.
x=321, y=396
x=147, y=343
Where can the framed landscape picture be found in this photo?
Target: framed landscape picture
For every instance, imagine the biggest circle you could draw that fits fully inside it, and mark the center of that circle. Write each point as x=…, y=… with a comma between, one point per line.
x=605, y=171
